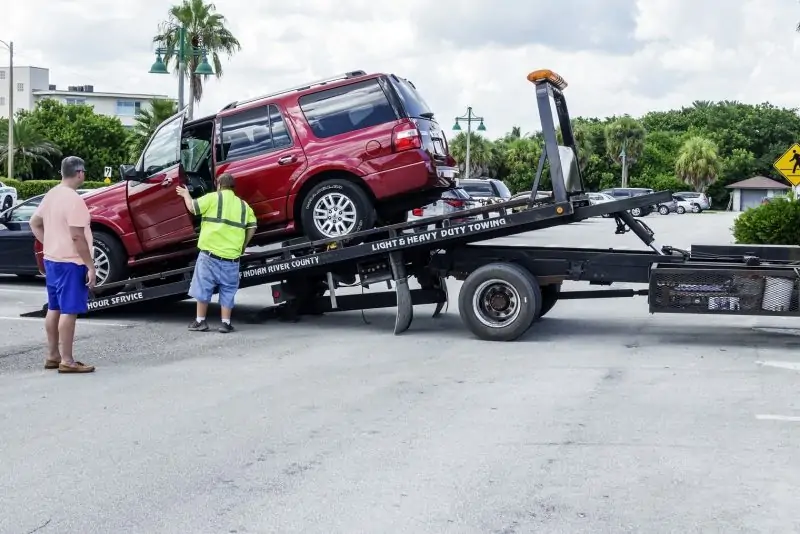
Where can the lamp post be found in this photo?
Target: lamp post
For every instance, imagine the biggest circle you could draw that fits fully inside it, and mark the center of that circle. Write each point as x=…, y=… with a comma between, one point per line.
x=624, y=159
x=469, y=118
x=10, y=46
x=184, y=53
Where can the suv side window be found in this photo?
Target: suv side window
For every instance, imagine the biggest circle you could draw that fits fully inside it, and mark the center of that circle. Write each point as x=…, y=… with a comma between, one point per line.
x=347, y=109
x=252, y=132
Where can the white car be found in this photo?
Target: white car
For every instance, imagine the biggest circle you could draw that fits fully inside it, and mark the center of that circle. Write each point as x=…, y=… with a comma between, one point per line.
x=452, y=201
x=600, y=198
x=8, y=196
x=702, y=200
x=685, y=204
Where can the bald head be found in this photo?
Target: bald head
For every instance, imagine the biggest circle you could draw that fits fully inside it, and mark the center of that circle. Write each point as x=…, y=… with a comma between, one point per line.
x=225, y=181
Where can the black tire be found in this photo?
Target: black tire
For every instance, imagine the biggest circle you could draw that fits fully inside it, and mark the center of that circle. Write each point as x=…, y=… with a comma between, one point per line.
x=7, y=203
x=550, y=295
x=117, y=260
x=637, y=212
x=696, y=208
x=364, y=210
x=510, y=280
x=663, y=210
x=680, y=210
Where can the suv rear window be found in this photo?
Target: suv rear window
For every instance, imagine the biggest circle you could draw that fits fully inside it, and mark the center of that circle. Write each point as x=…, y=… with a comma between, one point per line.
x=479, y=189
x=413, y=102
x=347, y=109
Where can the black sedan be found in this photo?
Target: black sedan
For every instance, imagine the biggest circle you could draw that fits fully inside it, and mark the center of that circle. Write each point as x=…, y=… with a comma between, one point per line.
x=16, y=239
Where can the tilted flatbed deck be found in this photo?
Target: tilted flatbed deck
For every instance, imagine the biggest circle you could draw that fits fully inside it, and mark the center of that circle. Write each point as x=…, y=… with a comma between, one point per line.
x=506, y=289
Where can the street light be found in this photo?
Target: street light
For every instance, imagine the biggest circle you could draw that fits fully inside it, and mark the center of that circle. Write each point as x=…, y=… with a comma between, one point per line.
x=10, y=46
x=204, y=69
x=469, y=118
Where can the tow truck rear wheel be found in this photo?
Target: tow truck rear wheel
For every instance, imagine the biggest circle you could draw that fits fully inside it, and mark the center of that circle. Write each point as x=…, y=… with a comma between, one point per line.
x=499, y=301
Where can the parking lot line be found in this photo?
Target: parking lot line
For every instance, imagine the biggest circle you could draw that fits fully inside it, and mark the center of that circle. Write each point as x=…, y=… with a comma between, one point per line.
x=30, y=291
x=789, y=418
x=792, y=366
x=85, y=322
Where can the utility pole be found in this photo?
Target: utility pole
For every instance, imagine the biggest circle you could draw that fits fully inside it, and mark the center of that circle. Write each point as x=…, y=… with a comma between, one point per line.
x=624, y=156
x=10, y=156
x=469, y=118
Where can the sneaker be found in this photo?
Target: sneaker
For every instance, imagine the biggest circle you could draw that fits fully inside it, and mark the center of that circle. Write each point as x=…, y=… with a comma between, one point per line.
x=201, y=326
x=225, y=328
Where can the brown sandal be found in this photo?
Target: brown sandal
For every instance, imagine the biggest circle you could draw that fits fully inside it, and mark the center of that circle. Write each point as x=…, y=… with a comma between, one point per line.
x=77, y=368
x=52, y=364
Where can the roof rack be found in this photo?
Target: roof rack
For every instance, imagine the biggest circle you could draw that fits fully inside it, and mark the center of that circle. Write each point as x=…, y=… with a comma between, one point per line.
x=344, y=76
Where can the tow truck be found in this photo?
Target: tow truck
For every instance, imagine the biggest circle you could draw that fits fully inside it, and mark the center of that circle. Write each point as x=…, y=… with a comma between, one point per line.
x=506, y=289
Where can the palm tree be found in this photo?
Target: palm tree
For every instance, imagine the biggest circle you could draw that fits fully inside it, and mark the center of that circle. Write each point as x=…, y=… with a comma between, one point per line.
x=625, y=143
x=30, y=147
x=204, y=27
x=146, y=122
x=698, y=163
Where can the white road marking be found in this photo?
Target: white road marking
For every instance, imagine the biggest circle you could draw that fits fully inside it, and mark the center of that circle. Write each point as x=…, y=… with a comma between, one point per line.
x=30, y=291
x=792, y=366
x=81, y=321
x=788, y=418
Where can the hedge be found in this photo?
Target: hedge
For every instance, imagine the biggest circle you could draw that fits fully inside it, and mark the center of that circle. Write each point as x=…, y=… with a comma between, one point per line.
x=31, y=188
x=775, y=223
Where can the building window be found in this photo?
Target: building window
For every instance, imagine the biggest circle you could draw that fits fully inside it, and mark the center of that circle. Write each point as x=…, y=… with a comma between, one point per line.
x=2, y=75
x=75, y=101
x=20, y=87
x=128, y=108
x=2, y=101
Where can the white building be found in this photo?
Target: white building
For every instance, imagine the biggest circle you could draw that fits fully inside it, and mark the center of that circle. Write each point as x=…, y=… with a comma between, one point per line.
x=32, y=84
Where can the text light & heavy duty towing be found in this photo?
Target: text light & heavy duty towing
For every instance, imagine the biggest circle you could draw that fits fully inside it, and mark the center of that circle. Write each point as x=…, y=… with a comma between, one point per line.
x=506, y=288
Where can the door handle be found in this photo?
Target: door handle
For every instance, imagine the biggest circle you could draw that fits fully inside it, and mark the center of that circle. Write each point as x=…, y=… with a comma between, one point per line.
x=166, y=182
x=285, y=160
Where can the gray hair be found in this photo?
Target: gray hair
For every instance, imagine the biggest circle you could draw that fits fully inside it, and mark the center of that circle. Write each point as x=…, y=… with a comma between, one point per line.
x=225, y=180
x=71, y=165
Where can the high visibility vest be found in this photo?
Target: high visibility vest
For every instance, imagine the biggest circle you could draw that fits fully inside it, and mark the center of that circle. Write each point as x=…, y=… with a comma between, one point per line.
x=223, y=223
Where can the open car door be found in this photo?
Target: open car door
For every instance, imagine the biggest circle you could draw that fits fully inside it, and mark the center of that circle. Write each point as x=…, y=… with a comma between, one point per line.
x=158, y=213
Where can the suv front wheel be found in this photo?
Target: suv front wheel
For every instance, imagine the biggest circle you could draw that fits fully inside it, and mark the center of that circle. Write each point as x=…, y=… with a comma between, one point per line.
x=336, y=208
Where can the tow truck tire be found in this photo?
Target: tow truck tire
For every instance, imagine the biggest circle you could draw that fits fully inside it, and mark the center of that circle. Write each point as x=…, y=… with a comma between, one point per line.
x=111, y=257
x=550, y=295
x=499, y=301
x=351, y=199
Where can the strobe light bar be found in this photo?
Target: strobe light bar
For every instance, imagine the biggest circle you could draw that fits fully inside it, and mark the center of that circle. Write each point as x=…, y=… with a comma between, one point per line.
x=547, y=75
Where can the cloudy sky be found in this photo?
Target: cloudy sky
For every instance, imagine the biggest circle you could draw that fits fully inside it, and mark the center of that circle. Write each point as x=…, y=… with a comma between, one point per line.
x=619, y=56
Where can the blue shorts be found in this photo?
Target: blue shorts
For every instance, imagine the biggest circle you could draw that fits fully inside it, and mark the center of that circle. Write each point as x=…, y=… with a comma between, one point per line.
x=210, y=274
x=66, y=287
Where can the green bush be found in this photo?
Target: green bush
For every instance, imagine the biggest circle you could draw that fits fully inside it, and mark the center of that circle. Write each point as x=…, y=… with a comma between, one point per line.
x=30, y=188
x=776, y=223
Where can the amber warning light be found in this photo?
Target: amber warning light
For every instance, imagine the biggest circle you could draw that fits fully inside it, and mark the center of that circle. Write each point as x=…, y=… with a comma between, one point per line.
x=547, y=75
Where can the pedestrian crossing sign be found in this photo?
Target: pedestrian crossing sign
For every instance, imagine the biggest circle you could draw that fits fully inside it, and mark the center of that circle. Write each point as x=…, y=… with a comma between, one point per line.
x=789, y=164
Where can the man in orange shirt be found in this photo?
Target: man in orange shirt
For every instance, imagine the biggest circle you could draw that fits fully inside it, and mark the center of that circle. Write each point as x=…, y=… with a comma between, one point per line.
x=61, y=224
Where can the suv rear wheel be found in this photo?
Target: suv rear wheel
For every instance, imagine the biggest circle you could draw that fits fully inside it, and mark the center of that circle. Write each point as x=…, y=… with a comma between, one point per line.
x=336, y=208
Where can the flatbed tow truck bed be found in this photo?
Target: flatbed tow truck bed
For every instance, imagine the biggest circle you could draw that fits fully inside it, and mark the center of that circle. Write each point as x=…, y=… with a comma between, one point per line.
x=506, y=289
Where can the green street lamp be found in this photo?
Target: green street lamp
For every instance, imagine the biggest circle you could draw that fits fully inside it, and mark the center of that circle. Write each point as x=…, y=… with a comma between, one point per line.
x=185, y=51
x=469, y=118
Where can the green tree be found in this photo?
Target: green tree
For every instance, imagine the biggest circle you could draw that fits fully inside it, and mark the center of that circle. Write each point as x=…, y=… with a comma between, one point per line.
x=77, y=131
x=204, y=27
x=698, y=163
x=31, y=148
x=146, y=122
x=480, y=154
x=625, y=136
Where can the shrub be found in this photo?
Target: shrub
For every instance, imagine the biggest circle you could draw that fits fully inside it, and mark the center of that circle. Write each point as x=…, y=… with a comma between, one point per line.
x=30, y=188
x=776, y=223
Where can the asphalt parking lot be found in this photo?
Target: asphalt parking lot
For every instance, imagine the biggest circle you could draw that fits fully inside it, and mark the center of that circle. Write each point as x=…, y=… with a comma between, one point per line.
x=602, y=419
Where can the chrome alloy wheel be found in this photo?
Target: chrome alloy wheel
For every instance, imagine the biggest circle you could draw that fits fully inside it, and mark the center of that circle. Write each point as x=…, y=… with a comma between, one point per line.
x=102, y=265
x=335, y=215
x=496, y=303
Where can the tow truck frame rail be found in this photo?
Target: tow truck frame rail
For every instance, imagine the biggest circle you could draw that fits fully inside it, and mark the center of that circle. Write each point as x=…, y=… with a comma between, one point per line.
x=506, y=289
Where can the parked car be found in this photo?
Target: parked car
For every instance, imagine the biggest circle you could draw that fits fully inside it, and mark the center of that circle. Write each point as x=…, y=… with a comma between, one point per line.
x=486, y=190
x=452, y=201
x=8, y=196
x=665, y=208
x=684, y=205
x=702, y=200
x=628, y=192
x=323, y=160
x=17, y=241
x=600, y=198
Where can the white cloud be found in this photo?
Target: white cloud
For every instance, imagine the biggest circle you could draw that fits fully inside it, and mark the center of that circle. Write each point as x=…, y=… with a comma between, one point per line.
x=619, y=56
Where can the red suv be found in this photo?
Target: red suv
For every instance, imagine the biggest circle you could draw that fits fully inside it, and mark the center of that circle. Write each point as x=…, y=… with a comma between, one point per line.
x=323, y=160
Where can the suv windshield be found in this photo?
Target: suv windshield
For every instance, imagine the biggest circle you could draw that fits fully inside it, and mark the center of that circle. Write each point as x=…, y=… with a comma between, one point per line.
x=413, y=102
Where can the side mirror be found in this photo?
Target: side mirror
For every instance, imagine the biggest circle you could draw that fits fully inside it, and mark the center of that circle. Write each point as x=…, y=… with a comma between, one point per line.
x=128, y=172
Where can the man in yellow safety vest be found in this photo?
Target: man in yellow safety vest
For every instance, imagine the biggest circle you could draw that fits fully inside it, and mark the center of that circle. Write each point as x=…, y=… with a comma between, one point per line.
x=227, y=226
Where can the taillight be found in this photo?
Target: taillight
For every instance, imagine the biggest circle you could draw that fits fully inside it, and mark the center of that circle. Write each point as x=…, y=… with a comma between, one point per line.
x=417, y=212
x=454, y=203
x=406, y=137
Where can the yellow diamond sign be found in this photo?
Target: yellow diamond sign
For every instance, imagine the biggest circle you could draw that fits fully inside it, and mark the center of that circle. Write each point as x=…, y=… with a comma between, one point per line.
x=789, y=164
